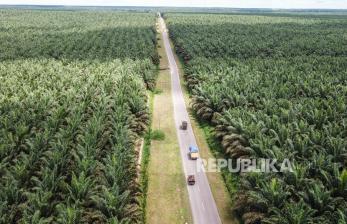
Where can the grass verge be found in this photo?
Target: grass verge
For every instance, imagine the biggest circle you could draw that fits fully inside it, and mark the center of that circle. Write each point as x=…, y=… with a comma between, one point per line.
x=144, y=163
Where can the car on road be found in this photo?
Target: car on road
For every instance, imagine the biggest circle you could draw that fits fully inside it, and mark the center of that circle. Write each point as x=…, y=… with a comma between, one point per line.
x=184, y=125
x=191, y=179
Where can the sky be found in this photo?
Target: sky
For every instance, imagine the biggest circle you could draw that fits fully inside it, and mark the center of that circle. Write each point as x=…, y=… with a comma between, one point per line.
x=287, y=4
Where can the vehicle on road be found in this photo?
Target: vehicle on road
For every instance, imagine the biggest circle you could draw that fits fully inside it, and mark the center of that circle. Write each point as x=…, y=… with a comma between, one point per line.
x=191, y=179
x=184, y=125
x=193, y=152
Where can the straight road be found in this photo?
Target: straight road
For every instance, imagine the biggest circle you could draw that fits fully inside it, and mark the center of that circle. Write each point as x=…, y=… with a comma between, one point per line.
x=203, y=206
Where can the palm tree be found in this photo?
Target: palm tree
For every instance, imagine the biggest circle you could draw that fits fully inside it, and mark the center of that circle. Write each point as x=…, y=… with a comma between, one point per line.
x=294, y=213
x=68, y=214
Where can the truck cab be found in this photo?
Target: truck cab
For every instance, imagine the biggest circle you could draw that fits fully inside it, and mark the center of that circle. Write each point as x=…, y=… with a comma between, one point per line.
x=193, y=152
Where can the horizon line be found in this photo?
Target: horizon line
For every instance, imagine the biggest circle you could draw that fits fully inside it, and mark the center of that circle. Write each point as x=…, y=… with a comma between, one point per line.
x=169, y=6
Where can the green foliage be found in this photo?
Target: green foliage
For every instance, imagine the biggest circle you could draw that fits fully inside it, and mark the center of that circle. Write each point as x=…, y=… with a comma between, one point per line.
x=72, y=103
x=77, y=35
x=273, y=87
x=157, y=135
x=157, y=91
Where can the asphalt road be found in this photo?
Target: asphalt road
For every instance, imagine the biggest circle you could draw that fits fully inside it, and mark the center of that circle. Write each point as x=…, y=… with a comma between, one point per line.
x=203, y=206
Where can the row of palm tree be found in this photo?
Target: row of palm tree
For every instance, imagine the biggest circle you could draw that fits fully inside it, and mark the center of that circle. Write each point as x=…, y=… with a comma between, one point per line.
x=237, y=36
x=273, y=87
x=78, y=35
x=72, y=161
